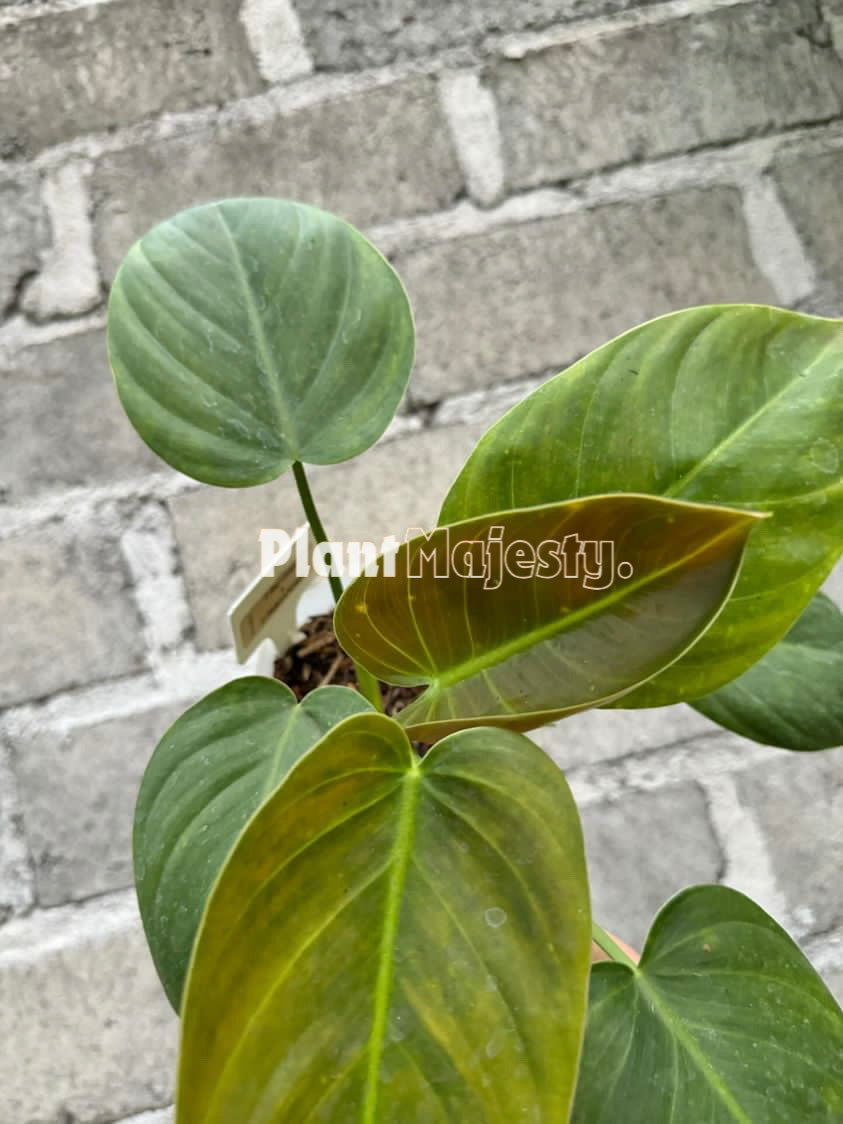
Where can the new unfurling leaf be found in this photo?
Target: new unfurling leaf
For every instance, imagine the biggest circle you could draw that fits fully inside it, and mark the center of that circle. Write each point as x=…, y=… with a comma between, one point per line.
x=527, y=636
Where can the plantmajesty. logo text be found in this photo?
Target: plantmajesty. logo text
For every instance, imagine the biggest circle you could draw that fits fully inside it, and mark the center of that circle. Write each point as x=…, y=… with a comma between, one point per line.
x=488, y=559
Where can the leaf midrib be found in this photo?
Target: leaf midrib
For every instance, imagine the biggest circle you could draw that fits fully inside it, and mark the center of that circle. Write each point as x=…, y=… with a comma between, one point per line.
x=273, y=775
x=673, y=1024
x=711, y=457
x=526, y=640
x=401, y=855
x=266, y=365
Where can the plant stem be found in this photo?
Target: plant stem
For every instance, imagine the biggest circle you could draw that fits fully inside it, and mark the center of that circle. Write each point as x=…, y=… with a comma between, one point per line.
x=613, y=950
x=365, y=680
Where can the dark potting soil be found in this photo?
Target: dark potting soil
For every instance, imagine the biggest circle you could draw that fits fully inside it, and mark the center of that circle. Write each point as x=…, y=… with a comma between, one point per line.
x=318, y=660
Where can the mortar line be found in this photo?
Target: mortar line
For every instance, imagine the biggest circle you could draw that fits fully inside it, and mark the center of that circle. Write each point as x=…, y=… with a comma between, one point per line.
x=67, y=924
x=641, y=771
x=748, y=864
x=470, y=108
x=18, y=333
x=147, y=1115
x=17, y=867
x=507, y=43
x=305, y=90
x=82, y=503
x=731, y=164
x=690, y=760
x=182, y=677
x=716, y=165
x=775, y=243
x=516, y=44
x=24, y=12
x=150, y=548
x=275, y=38
x=68, y=282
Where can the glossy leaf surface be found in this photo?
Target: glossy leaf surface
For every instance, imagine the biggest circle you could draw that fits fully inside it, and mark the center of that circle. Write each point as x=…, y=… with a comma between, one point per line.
x=724, y=1022
x=210, y=772
x=536, y=647
x=250, y=333
x=793, y=697
x=740, y=405
x=395, y=939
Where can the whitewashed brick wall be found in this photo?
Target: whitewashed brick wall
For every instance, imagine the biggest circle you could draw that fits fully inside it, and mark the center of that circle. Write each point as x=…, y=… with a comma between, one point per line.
x=544, y=174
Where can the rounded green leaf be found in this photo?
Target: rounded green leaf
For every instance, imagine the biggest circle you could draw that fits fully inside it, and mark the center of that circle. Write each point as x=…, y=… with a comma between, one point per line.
x=210, y=772
x=793, y=697
x=724, y=1021
x=395, y=940
x=248, y=334
x=733, y=404
x=508, y=648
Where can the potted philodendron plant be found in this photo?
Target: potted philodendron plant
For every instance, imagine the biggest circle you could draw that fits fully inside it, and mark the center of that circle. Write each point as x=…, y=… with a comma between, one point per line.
x=362, y=917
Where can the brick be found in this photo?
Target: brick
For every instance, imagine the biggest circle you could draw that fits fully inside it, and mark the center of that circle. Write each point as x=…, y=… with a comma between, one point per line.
x=834, y=13
x=812, y=190
x=92, y=1036
x=98, y=66
x=826, y=954
x=798, y=802
x=361, y=33
x=77, y=794
x=642, y=850
x=162, y=1116
x=642, y=93
x=604, y=735
x=833, y=978
x=22, y=234
x=68, y=617
x=61, y=423
x=357, y=154
x=833, y=587
x=16, y=883
x=397, y=485
x=530, y=298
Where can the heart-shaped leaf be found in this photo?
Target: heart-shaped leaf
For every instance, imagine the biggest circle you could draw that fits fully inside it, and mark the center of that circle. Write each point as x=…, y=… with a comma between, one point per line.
x=732, y=404
x=516, y=647
x=395, y=939
x=252, y=333
x=724, y=1021
x=793, y=697
x=210, y=772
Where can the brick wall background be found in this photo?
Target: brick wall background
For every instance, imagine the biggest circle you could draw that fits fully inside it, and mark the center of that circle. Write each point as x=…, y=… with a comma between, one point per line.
x=544, y=174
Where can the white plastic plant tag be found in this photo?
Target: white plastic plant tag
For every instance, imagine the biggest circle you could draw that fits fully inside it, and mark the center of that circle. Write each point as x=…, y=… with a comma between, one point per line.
x=267, y=608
